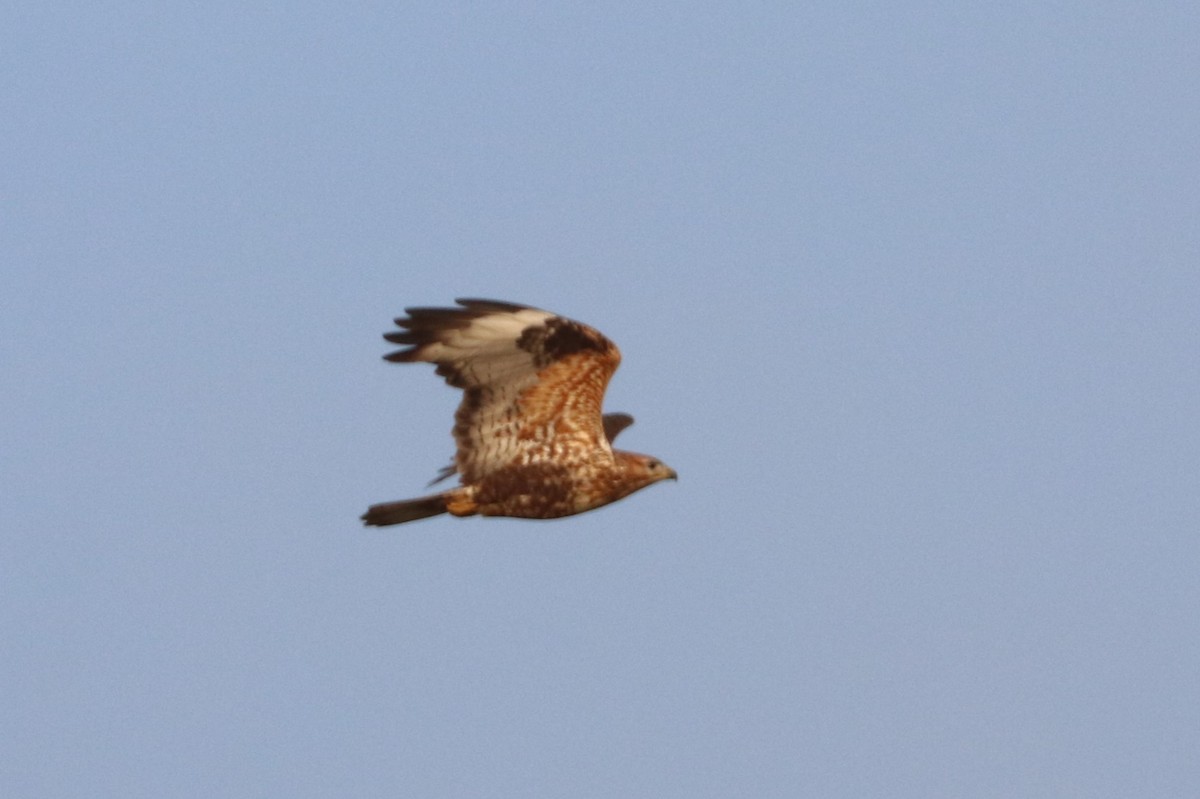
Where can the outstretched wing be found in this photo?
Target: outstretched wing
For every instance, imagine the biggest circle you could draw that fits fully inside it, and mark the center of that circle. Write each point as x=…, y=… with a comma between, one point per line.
x=614, y=423
x=533, y=382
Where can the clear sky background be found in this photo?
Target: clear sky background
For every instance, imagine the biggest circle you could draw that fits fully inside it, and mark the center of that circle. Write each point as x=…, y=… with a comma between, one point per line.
x=909, y=294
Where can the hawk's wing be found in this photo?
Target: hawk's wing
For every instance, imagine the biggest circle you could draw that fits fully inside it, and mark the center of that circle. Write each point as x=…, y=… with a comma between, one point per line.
x=613, y=424
x=533, y=382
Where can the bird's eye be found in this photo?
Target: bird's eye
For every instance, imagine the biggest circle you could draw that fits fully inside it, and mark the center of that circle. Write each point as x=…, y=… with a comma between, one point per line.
x=653, y=465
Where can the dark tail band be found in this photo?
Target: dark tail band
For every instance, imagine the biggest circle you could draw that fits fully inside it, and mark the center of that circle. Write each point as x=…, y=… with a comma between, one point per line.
x=408, y=510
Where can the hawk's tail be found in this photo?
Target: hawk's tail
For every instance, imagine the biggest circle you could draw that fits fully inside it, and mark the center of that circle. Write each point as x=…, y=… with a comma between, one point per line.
x=408, y=510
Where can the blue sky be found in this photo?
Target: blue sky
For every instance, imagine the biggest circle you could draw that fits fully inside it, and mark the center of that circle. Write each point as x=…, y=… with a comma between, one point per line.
x=908, y=295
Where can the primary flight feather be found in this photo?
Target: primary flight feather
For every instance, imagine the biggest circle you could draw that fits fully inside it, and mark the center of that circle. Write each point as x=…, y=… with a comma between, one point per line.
x=530, y=437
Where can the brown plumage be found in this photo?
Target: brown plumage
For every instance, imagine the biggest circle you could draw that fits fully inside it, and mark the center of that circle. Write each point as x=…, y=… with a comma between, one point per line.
x=531, y=439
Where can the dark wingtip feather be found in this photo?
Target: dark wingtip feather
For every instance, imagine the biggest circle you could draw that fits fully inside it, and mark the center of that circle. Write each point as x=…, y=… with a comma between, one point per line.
x=614, y=423
x=427, y=318
x=479, y=306
x=424, y=323
x=401, y=337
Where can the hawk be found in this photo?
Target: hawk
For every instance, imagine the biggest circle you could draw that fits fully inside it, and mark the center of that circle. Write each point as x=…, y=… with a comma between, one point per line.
x=531, y=441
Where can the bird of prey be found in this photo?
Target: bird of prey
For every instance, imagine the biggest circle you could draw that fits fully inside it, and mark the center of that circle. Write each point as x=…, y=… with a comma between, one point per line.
x=531, y=441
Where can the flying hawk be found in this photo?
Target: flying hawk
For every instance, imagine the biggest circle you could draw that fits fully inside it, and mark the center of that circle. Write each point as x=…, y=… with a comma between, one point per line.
x=531, y=440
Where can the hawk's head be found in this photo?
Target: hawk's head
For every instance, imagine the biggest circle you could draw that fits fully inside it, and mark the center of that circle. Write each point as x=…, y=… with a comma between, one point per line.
x=639, y=471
